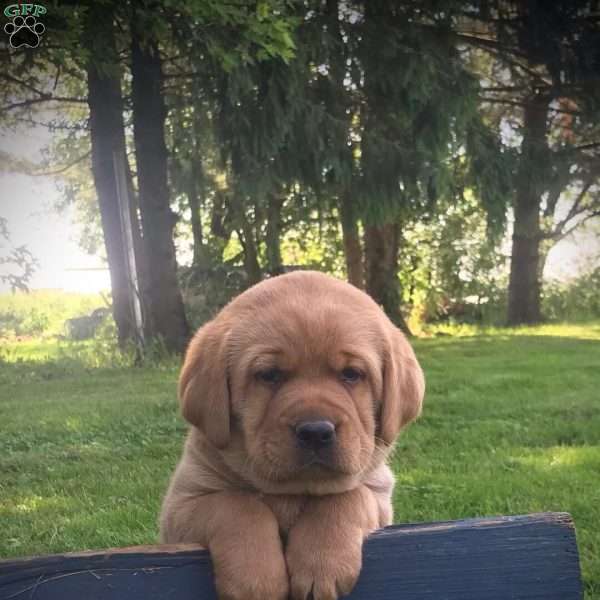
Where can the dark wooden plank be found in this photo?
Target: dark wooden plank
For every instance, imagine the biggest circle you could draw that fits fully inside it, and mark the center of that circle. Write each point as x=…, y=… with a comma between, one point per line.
x=506, y=558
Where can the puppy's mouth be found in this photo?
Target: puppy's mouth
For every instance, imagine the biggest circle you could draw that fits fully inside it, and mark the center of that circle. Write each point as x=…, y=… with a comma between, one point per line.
x=305, y=465
x=320, y=465
x=317, y=459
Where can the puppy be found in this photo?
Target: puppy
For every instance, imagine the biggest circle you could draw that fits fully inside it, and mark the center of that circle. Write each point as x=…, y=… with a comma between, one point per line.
x=296, y=392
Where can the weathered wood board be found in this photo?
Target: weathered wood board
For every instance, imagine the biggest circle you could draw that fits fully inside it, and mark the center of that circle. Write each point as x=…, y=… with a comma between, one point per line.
x=504, y=558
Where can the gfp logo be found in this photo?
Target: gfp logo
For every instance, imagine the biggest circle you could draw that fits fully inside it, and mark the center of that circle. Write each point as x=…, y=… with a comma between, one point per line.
x=24, y=29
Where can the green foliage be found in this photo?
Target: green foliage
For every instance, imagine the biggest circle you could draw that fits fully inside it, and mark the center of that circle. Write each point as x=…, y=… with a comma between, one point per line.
x=301, y=101
x=577, y=299
x=43, y=312
x=313, y=244
x=34, y=323
x=450, y=268
x=490, y=171
x=205, y=293
x=539, y=94
x=238, y=33
x=418, y=101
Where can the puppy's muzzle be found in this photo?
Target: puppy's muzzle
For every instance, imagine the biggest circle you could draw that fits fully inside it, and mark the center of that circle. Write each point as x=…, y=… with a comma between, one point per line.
x=315, y=435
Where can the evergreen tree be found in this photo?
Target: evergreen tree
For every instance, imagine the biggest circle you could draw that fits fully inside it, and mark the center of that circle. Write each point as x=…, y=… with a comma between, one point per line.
x=545, y=59
x=417, y=107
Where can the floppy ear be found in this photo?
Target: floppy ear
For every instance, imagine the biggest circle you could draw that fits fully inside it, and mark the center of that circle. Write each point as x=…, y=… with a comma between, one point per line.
x=403, y=387
x=203, y=386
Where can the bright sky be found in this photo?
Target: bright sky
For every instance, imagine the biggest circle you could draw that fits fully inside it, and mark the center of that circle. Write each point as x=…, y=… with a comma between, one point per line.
x=26, y=202
x=574, y=254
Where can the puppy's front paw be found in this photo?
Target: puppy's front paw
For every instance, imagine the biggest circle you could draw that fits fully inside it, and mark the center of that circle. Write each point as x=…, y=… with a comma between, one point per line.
x=326, y=567
x=255, y=582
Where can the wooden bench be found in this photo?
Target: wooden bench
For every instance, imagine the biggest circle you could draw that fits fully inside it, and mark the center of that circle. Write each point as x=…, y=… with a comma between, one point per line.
x=525, y=558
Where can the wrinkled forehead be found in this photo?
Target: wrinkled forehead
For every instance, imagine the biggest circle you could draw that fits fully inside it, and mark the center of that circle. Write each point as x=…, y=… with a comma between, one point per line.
x=301, y=331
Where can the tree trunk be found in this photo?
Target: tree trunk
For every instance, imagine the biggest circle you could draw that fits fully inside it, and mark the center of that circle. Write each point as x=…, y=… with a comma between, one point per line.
x=545, y=247
x=352, y=248
x=251, y=264
x=273, y=236
x=165, y=305
x=107, y=139
x=524, y=283
x=138, y=242
x=200, y=258
x=381, y=253
x=197, y=191
x=219, y=224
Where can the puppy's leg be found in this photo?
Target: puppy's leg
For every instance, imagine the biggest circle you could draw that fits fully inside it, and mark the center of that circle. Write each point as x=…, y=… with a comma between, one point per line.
x=324, y=551
x=242, y=535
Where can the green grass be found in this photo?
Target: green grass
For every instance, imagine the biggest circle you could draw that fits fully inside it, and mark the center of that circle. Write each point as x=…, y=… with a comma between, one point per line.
x=511, y=425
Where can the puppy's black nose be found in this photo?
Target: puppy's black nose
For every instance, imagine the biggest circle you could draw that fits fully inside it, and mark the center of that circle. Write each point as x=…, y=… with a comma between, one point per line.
x=315, y=434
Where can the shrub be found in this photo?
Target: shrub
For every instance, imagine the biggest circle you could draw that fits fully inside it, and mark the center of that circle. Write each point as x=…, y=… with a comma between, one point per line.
x=43, y=312
x=574, y=300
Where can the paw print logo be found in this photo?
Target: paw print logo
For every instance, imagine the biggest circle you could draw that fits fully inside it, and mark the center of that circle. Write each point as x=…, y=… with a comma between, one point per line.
x=24, y=31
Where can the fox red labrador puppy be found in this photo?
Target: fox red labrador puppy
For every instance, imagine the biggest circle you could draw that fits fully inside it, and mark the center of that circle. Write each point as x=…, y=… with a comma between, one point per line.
x=295, y=392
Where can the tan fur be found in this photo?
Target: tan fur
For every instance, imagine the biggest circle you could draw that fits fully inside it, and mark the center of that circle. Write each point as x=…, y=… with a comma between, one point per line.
x=275, y=524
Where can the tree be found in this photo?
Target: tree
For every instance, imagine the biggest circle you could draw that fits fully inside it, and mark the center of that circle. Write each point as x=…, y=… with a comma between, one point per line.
x=416, y=111
x=452, y=267
x=234, y=33
x=524, y=284
x=165, y=310
x=81, y=68
x=107, y=140
x=190, y=149
x=341, y=106
x=545, y=76
x=222, y=55
x=273, y=233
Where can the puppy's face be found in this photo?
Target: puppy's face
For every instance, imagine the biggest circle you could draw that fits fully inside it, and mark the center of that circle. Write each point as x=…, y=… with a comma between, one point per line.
x=303, y=389
x=302, y=380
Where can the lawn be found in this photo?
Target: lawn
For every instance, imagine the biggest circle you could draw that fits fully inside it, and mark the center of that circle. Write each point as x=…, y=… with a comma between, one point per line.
x=511, y=425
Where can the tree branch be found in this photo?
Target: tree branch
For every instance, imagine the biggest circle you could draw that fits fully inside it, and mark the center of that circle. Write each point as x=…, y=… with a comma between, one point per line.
x=515, y=63
x=567, y=233
x=506, y=88
x=488, y=44
x=589, y=146
x=66, y=167
x=524, y=102
x=558, y=232
x=56, y=78
x=14, y=165
x=53, y=126
x=46, y=98
x=24, y=84
x=556, y=188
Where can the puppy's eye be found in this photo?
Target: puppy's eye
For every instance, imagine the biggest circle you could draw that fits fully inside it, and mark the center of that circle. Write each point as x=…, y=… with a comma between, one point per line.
x=351, y=375
x=270, y=376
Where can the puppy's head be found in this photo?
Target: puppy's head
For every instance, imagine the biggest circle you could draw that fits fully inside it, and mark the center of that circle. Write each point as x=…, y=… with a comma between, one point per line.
x=301, y=379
